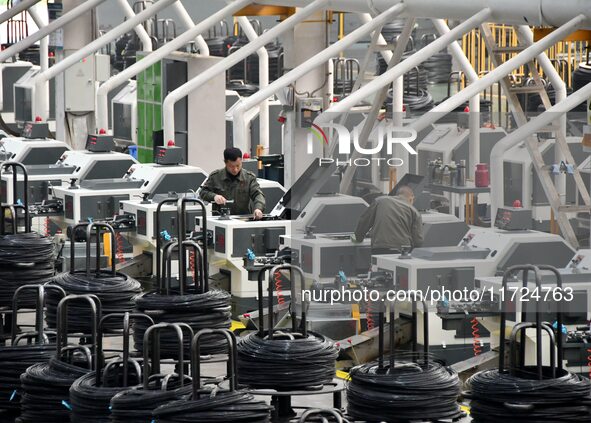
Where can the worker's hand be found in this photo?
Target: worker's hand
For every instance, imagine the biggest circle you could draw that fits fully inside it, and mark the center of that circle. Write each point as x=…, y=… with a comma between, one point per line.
x=355, y=240
x=220, y=199
x=258, y=215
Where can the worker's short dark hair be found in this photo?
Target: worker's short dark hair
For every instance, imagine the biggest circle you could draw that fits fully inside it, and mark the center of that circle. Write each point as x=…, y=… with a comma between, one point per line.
x=405, y=191
x=232, y=154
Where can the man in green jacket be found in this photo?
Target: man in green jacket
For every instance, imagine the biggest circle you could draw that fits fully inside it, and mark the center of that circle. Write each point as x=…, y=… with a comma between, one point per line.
x=234, y=187
x=394, y=223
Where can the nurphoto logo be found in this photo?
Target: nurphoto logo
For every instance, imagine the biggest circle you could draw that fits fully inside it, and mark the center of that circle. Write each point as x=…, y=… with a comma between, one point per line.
x=383, y=133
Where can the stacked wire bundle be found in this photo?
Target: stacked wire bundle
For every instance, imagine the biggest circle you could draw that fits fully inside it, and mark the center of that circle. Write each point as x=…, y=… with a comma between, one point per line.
x=420, y=390
x=14, y=360
x=91, y=403
x=45, y=391
x=523, y=398
x=137, y=405
x=210, y=310
x=438, y=67
x=25, y=258
x=288, y=361
x=117, y=293
x=224, y=407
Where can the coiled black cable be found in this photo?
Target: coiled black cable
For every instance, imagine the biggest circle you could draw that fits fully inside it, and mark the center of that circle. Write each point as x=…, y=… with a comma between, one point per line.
x=210, y=310
x=45, y=391
x=137, y=405
x=25, y=258
x=237, y=406
x=438, y=67
x=525, y=399
x=14, y=360
x=417, y=389
x=91, y=403
x=117, y=294
x=286, y=362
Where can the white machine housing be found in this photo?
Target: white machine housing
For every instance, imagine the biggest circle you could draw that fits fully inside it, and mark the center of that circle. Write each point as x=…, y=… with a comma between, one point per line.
x=32, y=151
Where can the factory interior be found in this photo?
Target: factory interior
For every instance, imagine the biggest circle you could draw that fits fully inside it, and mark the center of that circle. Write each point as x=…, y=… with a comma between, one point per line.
x=295, y=211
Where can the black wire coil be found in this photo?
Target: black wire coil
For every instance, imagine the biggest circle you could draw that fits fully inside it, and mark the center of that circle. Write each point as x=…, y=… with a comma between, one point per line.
x=287, y=362
x=137, y=405
x=91, y=403
x=25, y=258
x=417, y=390
x=45, y=391
x=522, y=398
x=210, y=310
x=117, y=294
x=236, y=406
x=13, y=362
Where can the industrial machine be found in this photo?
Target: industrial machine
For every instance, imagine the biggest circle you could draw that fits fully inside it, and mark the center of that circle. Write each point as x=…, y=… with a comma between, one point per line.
x=32, y=148
x=124, y=115
x=449, y=142
x=521, y=183
x=483, y=252
x=320, y=237
x=99, y=194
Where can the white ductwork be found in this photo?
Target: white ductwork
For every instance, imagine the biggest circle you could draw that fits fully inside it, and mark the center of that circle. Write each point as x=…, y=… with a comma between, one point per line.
x=16, y=9
x=139, y=30
x=524, y=12
x=186, y=20
x=102, y=109
x=240, y=134
x=231, y=60
x=41, y=103
x=498, y=73
x=263, y=54
x=403, y=67
x=45, y=31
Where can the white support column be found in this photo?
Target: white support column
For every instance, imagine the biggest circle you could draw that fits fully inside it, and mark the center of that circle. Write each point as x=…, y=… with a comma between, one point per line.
x=186, y=20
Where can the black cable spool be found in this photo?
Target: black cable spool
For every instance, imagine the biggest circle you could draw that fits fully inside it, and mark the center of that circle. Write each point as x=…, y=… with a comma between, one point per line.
x=413, y=386
x=90, y=395
x=438, y=65
x=25, y=257
x=137, y=404
x=116, y=291
x=17, y=357
x=194, y=305
x=214, y=404
x=289, y=359
x=530, y=393
x=45, y=386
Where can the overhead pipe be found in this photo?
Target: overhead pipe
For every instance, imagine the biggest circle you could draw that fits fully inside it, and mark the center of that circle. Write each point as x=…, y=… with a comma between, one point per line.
x=474, y=104
x=525, y=33
x=139, y=29
x=240, y=134
x=187, y=21
x=16, y=9
x=41, y=102
x=40, y=16
x=63, y=20
x=522, y=133
x=530, y=12
x=231, y=60
x=497, y=74
x=102, y=102
x=404, y=67
x=263, y=56
x=378, y=101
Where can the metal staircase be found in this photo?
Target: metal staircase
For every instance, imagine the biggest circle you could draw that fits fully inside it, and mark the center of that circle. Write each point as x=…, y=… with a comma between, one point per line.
x=543, y=170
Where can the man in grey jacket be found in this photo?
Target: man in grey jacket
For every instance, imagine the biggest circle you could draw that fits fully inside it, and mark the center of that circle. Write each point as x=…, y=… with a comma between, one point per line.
x=394, y=223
